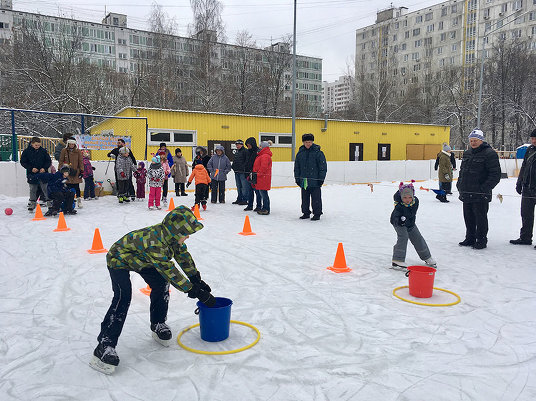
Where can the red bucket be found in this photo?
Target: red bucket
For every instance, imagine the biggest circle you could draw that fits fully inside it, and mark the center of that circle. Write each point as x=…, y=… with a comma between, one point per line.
x=421, y=281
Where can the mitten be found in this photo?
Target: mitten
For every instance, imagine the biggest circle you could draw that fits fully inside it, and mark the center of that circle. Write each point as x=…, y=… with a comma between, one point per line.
x=188, y=184
x=447, y=177
x=402, y=220
x=93, y=168
x=519, y=188
x=203, y=296
x=123, y=174
x=196, y=280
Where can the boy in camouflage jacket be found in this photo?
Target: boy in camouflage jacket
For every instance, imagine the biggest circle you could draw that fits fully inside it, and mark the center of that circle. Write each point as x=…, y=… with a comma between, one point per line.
x=149, y=252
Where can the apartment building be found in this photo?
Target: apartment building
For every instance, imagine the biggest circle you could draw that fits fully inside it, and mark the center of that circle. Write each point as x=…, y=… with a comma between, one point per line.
x=337, y=95
x=407, y=45
x=114, y=45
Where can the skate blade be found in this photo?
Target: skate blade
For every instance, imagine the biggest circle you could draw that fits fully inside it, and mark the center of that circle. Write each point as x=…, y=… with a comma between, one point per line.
x=102, y=367
x=398, y=268
x=165, y=343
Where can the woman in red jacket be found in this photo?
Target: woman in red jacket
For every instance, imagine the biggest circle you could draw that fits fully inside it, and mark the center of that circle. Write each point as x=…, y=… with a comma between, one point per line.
x=262, y=172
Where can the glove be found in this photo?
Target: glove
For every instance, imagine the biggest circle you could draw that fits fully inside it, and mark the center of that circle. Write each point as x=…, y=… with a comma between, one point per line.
x=196, y=280
x=123, y=174
x=188, y=184
x=80, y=175
x=93, y=168
x=203, y=296
x=403, y=220
x=519, y=188
x=447, y=177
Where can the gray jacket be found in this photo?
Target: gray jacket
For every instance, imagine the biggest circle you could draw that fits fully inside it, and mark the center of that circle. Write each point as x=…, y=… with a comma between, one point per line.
x=220, y=163
x=124, y=165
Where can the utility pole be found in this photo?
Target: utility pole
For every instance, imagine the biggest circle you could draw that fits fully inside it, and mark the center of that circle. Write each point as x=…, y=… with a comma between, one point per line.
x=292, y=156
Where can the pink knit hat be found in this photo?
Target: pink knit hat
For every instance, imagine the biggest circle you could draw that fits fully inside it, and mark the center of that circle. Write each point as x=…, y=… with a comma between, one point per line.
x=406, y=189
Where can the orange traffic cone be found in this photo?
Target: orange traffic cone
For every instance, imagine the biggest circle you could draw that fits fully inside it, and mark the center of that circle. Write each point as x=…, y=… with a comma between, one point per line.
x=38, y=214
x=62, y=225
x=146, y=290
x=97, y=246
x=171, y=205
x=339, y=266
x=196, y=212
x=247, y=228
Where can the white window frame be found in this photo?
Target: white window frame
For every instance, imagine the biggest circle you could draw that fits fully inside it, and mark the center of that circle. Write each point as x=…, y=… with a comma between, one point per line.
x=171, y=132
x=277, y=135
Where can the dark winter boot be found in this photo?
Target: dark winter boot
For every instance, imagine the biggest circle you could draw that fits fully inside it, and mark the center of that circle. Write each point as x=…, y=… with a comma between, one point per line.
x=161, y=333
x=467, y=242
x=305, y=216
x=51, y=212
x=520, y=241
x=480, y=245
x=315, y=217
x=105, y=359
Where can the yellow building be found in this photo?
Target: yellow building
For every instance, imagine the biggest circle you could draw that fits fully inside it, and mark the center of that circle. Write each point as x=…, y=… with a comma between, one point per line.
x=340, y=140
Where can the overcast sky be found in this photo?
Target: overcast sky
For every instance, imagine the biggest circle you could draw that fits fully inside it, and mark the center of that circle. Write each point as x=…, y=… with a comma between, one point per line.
x=325, y=28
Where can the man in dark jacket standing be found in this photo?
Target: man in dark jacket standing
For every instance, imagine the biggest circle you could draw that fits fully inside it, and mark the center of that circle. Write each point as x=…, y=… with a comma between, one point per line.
x=310, y=170
x=480, y=172
x=251, y=155
x=239, y=165
x=526, y=187
x=35, y=160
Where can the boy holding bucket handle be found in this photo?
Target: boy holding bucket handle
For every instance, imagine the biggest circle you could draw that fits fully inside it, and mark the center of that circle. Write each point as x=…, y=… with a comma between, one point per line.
x=149, y=252
x=403, y=220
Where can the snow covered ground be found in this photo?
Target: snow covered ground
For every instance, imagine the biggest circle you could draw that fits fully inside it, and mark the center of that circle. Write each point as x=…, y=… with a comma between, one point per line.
x=325, y=336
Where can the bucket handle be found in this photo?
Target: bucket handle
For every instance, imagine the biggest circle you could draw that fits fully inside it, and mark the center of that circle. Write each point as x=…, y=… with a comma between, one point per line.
x=196, y=311
x=407, y=273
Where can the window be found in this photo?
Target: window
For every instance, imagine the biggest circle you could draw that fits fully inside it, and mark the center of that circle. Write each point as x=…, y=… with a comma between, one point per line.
x=171, y=137
x=123, y=56
x=504, y=7
x=279, y=140
x=417, y=32
x=405, y=57
x=403, y=70
x=364, y=36
x=363, y=46
x=487, y=12
x=453, y=9
x=428, y=41
x=532, y=16
x=455, y=21
x=533, y=30
x=417, y=67
x=415, y=56
x=442, y=62
x=452, y=35
x=403, y=46
x=395, y=38
x=406, y=35
x=516, y=33
x=440, y=50
x=440, y=26
x=502, y=36
x=405, y=22
x=518, y=4
x=4, y=25
x=397, y=24
x=454, y=47
x=430, y=28
x=444, y=11
x=443, y=37
x=418, y=43
x=418, y=19
x=471, y=31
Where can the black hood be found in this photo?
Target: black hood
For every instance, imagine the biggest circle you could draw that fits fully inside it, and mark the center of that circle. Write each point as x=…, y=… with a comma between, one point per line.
x=251, y=141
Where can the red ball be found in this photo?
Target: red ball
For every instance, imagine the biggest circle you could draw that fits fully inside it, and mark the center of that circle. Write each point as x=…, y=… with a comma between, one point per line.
x=8, y=211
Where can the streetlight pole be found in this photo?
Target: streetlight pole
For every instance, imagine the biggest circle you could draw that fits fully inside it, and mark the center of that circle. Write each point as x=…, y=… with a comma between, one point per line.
x=293, y=150
x=486, y=34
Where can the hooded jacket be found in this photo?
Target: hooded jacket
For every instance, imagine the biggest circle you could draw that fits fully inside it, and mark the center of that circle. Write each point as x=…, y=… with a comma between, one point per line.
x=527, y=174
x=409, y=211
x=221, y=164
x=444, y=173
x=200, y=174
x=251, y=155
x=156, y=246
x=480, y=172
x=239, y=161
x=179, y=170
x=34, y=158
x=72, y=157
x=310, y=164
x=156, y=175
x=263, y=169
x=123, y=164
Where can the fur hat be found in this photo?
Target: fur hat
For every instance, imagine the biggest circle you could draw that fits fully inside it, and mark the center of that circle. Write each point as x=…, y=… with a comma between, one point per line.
x=446, y=147
x=476, y=133
x=71, y=141
x=406, y=189
x=124, y=150
x=307, y=137
x=156, y=159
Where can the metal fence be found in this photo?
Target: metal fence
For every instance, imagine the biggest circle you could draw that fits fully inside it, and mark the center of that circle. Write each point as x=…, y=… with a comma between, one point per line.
x=18, y=126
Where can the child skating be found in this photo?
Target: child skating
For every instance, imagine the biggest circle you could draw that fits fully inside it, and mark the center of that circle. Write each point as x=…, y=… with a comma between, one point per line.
x=202, y=179
x=123, y=169
x=141, y=178
x=403, y=220
x=149, y=252
x=155, y=175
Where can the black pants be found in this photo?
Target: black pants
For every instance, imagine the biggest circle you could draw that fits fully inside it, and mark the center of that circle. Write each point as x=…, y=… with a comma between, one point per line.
x=527, y=217
x=89, y=187
x=179, y=188
x=62, y=200
x=311, y=195
x=76, y=188
x=165, y=188
x=218, y=191
x=123, y=187
x=201, y=194
x=475, y=215
x=113, y=322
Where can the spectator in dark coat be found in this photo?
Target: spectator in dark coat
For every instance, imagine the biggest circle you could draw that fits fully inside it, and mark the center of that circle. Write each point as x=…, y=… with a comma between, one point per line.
x=61, y=195
x=239, y=166
x=251, y=145
x=526, y=187
x=114, y=153
x=310, y=170
x=480, y=172
x=35, y=159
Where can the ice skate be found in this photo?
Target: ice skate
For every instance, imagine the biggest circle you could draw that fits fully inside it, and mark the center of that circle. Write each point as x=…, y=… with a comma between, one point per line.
x=79, y=203
x=431, y=262
x=159, y=207
x=31, y=206
x=398, y=265
x=151, y=207
x=204, y=206
x=104, y=359
x=164, y=201
x=162, y=333
x=51, y=212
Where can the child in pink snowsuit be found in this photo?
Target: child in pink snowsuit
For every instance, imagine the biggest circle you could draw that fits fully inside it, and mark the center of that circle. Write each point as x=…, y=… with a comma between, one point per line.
x=140, y=175
x=155, y=175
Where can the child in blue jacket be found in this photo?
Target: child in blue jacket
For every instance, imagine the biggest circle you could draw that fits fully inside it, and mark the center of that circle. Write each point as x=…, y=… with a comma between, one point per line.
x=62, y=197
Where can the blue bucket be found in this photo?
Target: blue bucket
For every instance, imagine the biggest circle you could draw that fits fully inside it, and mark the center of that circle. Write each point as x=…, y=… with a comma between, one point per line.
x=215, y=322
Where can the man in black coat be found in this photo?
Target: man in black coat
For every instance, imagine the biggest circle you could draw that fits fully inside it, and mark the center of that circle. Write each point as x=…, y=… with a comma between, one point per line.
x=115, y=153
x=480, y=172
x=310, y=170
x=526, y=187
x=251, y=155
x=239, y=166
x=35, y=160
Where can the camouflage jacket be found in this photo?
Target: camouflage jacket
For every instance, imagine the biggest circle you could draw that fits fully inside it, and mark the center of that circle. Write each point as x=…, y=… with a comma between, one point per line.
x=156, y=246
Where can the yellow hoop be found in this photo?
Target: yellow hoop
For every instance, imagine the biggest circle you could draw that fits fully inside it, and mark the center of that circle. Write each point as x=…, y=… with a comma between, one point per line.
x=458, y=299
x=233, y=351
